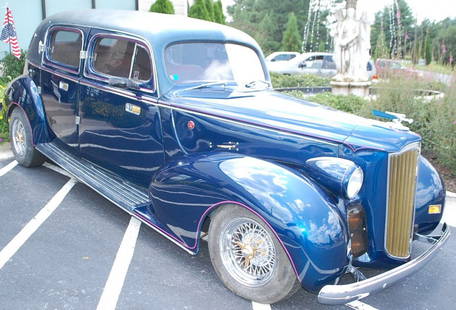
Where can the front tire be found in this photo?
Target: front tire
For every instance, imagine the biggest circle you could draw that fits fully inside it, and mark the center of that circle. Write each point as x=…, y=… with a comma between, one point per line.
x=248, y=258
x=21, y=141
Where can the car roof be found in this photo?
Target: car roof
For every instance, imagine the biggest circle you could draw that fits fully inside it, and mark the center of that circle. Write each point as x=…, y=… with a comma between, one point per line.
x=159, y=29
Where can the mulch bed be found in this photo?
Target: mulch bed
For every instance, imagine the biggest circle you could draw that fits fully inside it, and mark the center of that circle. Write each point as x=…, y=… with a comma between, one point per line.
x=448, y=176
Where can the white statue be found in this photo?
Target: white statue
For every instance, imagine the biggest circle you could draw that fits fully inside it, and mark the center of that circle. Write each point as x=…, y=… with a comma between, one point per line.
x=351, y=33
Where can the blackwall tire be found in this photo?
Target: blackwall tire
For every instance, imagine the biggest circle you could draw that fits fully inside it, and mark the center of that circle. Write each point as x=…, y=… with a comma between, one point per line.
x=248, y=258
x=21, y=141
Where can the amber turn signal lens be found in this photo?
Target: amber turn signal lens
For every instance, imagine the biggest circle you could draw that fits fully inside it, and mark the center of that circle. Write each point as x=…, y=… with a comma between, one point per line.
x=435, y=209
x=357, y=229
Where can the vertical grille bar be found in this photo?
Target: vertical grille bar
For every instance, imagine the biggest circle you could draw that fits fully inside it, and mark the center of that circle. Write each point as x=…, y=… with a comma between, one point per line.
x=401, y=201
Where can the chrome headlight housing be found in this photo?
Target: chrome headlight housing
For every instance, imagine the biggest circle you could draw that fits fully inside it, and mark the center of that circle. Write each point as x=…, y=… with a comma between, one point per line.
x=342, y=177
x=355, y=183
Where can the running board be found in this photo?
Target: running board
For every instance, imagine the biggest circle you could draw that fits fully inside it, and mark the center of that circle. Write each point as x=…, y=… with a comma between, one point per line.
x=123, y=194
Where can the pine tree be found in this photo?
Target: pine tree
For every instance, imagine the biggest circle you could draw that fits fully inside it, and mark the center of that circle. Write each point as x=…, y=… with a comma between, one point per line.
x=219, y=16
x=265, y=29
x=162, y=6
x=291, y=41
x=381, y=50
x=210, y=9
x=428, y=51
x=199, y=10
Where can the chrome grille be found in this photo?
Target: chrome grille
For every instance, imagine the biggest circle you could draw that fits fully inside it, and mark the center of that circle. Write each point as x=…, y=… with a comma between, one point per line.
x=402, y=173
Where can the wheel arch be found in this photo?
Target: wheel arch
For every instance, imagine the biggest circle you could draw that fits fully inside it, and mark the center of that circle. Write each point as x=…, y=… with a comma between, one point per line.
x=23, y=93
x=305, y=220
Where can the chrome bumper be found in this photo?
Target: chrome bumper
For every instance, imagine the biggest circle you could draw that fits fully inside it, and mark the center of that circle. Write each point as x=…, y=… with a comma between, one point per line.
x=342, y=294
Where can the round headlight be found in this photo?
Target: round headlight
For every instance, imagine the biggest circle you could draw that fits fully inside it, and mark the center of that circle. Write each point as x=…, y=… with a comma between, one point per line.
x=355, y=183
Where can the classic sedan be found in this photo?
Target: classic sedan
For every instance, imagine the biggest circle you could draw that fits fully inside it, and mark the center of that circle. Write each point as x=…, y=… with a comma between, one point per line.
x=174, y=120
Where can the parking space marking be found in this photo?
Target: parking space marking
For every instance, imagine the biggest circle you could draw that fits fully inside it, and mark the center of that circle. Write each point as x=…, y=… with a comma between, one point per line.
x=116, y=278
x=358, y=305
x=15, y=244
x=6, y=155
x=8, y=168
x=258, y=306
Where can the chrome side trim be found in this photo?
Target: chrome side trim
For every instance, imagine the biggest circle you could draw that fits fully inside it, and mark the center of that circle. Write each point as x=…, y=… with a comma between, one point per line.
x=342, y=294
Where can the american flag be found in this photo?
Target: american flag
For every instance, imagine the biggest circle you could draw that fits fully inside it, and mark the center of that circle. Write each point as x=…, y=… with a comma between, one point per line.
x=9, y=34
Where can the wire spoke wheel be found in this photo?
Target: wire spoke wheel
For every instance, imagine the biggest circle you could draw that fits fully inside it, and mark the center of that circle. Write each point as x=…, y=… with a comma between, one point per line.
x=18, y=136
x=248, y=252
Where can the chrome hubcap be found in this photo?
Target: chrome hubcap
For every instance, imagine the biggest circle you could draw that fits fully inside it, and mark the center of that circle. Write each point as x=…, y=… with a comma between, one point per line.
x=248, y=252
x=18, y=136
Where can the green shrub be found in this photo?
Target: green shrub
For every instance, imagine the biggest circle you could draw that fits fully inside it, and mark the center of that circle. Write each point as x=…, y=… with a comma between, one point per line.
x=304, y=80
x=11, y=67
x=351, y=104
x=162, y=6
x=3, y=119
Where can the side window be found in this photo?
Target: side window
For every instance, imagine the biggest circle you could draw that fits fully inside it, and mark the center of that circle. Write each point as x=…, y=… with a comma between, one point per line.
x=65, y=47
x=114, y=57
x=141, y=66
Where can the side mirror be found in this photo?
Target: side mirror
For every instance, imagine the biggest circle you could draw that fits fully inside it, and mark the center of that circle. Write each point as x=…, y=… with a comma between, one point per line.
x=273, y=60
x=302, y=65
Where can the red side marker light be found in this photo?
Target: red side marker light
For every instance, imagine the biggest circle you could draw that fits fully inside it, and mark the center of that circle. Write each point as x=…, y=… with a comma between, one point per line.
x=191, y=125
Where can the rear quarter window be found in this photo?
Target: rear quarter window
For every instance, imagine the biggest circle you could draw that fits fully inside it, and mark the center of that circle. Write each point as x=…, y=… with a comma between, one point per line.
x=120, y=57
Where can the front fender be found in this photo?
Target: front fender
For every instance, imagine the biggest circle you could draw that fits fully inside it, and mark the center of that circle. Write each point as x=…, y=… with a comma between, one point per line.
x=430, y=190
x=23, y=93
x=305, y=220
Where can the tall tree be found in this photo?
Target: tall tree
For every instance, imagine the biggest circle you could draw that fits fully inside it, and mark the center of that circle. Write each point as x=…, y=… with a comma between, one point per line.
x=381, y=49
x=210, y=9
x=219, y=16
x=291, y=41
x=265, y=28
x=199, y=10
x=248, y=14
x=162, y=6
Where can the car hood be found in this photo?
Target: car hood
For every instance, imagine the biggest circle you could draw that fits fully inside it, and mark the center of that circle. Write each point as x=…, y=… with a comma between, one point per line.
x=273, y=110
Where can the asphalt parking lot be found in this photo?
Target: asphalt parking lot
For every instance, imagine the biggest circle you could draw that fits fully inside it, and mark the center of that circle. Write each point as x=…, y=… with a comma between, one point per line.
x=62, y=246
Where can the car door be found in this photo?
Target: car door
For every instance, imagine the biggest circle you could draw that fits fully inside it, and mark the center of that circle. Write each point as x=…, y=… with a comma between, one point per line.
x=310, y=65
x=328, y=68
x=60, y=81
x=120, y=126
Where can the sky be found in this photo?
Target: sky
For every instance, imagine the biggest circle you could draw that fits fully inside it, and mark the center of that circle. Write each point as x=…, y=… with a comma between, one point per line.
x=431, y=9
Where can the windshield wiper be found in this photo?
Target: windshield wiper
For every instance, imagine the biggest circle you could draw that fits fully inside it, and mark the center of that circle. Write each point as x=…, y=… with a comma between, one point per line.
x=253, y=84
x=207, y=85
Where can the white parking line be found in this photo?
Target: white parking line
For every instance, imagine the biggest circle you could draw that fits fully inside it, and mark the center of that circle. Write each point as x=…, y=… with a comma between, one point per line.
x=15, y=244
x=257, y=306
x=116, y=279
x=358, y=305
x=6, y=155
x=7, y=168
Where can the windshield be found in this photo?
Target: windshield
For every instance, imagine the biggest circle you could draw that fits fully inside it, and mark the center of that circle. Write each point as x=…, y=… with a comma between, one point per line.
x=213, y=62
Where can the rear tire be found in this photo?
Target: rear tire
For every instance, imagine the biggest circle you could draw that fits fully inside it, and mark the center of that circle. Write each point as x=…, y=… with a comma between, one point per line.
x=21, y=141
x=248, y=258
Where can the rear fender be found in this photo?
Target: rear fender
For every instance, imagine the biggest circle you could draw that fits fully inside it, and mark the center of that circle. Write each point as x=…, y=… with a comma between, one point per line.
x=306, y=223
x=23, y=93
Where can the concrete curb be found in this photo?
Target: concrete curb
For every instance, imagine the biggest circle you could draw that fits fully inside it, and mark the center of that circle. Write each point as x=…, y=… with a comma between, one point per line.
x=451, y=195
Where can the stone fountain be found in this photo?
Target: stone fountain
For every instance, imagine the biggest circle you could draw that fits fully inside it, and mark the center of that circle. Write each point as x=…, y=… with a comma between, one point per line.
x=351, y=33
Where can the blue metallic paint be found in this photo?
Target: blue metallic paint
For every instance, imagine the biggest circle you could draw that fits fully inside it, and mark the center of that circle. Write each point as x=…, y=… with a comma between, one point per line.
x=23, y=92
x=301, y=213
x=197, y=170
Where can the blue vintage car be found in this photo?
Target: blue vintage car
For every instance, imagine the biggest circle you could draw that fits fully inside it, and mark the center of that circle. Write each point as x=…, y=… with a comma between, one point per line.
x=174, y=120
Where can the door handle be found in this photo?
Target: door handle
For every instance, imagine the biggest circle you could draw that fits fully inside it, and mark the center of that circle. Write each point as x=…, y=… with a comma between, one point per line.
x=64, y=86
